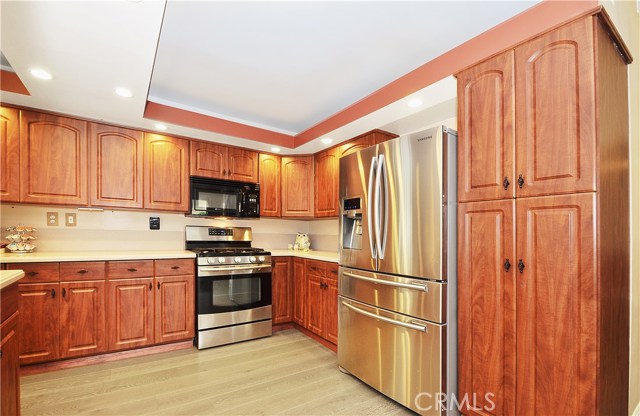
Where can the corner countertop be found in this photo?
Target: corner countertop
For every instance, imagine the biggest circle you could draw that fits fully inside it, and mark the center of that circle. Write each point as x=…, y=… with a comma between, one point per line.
x=331, y=256
x=9, y=277
x=63, y=256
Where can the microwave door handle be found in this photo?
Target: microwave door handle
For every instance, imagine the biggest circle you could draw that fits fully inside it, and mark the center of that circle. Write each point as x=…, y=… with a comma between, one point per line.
x=370, y=204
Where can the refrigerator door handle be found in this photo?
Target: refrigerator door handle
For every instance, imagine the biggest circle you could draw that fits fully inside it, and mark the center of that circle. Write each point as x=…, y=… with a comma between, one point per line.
x=369, y=206
x=380, y=179
x=410, y=325
x=385, y=181
x=414, y=286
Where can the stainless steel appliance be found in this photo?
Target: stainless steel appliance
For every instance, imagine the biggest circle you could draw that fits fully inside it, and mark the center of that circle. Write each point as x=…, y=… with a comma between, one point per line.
x=397, y=277
x=220, y=198
x=233, y=285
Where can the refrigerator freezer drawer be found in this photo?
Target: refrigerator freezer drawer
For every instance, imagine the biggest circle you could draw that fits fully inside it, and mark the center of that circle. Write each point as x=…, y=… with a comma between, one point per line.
x=399, y=356
x=416, y=297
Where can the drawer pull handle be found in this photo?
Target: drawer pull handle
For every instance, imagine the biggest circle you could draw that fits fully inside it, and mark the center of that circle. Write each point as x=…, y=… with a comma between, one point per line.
x=411, y=325
x=32, y=273
x=83, y=271
x=413, y=285
x=132, y=270
x=175, y=267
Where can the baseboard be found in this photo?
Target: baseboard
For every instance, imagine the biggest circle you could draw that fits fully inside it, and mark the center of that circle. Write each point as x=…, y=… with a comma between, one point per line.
x=316, y=338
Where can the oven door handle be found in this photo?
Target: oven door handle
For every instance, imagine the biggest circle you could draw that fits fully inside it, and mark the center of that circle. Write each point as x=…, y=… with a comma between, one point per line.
x=205, y=269
x=410, y=325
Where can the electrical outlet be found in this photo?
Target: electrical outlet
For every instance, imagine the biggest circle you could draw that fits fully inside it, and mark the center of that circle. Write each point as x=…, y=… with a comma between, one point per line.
x=70, y=219
x=52, y=219
x=154, y=223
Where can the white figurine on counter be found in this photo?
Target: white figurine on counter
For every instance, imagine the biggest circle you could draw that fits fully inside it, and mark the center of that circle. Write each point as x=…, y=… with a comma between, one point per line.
x=302, y=242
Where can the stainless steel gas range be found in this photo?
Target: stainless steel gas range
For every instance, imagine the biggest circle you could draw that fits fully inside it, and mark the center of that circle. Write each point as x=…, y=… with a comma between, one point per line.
x=233, y=285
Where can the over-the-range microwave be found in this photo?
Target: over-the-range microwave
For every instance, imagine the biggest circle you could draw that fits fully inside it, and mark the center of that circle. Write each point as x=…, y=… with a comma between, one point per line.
x=223, y=198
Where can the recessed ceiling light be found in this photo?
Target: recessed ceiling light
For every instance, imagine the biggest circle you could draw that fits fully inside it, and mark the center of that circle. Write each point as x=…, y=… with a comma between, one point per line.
x=415, y=102
x=161, y=127
x=41, y=74
x=327, y=140
x=123, y=92
x=275, y=149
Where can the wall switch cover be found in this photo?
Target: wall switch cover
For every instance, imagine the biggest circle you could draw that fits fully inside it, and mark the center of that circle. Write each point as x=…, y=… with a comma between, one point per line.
x=70, y=219
x=154, y=223
x=52, y=219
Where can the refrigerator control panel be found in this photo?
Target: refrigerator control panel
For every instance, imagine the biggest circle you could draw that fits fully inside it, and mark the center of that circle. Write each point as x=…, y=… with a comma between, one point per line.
x=351, y=204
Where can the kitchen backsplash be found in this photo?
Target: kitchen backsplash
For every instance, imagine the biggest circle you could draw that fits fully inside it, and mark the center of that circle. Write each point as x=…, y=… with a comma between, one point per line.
x=129, y=230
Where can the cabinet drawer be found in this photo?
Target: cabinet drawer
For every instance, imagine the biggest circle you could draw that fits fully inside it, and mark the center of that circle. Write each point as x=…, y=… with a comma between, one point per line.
x=129, y=269
x=37, y=272
x=172, y=267
x=85, y=270
x=314, y=267
x=332, y=271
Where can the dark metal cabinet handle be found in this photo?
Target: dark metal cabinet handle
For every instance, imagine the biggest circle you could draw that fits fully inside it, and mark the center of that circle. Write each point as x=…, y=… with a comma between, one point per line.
x=53, y=293
x=175, y=267
x=132, y=270
x=507, y=265
x=521, y=266
x=158, y=285
x=32, y=273
x=224, y=172
x=64, y=292
x=150, y=286
x=520, y=181
x=506, y=183
x=83, y=271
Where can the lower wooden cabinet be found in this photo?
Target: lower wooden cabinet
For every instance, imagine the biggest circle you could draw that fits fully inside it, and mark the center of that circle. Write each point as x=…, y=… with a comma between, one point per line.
x=130, y=318
x=82, y=318
x=39, y=325
x=281, y=290
x=299, y=293
x=175, y=308
x=9, y=352
x=322, y=299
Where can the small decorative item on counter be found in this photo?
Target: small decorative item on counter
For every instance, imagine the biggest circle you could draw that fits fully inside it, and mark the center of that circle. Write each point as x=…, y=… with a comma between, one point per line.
x=21, y=239
x=302, y=242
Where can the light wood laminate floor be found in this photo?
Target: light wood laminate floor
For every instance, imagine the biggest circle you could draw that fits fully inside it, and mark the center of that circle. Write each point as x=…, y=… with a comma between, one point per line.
x=287, y=373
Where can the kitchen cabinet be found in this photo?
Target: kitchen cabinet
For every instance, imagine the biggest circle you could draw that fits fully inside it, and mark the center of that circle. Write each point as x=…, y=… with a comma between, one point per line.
x=9, y=351
x=299, y=292
x=116, y=167
x=270, y=182
x=297, y=186
x=166, y=176
x=326, y=183
x=9, y=155
x=174, y=300
x=39, y=326
x=486, y=130
x=365, y=140
x=281, y=289
x=53, y=159
x=82, y=318
x=130, y=313
x=564, y=300
x=223, y=162
x=322, y=299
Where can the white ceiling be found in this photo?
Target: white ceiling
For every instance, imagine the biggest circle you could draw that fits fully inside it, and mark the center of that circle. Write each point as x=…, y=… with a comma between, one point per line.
x=284, y=66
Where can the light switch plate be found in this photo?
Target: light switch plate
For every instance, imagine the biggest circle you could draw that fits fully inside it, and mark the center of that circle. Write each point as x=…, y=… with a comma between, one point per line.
x=52, y=219
x=70, y=219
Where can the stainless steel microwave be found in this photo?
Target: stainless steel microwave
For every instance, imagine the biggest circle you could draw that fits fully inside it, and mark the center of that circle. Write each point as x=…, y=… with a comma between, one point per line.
x=222, y=198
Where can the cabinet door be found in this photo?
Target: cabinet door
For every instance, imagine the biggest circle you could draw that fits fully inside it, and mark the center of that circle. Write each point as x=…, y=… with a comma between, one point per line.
x=297, y=186
x=326, y=183
x=487, y=306
x=208, y=160
x=166, y=179
x=9, y=155
x=355, y=144
x=242, y=165
x=82, y=318
x=299, y=292
x=175, y=300
x=129, y=313
x=486, y=133
x=10, y=366
x=331, y=304
x=281, y=290
x=315, y=304
x=39, y=323
x=116, y=166
x=557, y=313
x=556, y=135
x=270, y=185
x=53, y=159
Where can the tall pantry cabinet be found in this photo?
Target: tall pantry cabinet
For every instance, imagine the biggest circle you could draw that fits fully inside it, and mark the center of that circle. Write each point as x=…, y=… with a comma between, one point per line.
x=544, y=225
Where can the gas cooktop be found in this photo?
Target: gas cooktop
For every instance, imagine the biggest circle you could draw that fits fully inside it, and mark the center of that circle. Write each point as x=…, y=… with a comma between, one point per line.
x=226, y=251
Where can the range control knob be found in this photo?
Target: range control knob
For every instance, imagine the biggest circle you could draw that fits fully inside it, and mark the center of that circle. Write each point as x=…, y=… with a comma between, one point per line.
x=252, y=259
x=221, y=260
x=211, y=260
x=261, y=259
x=238, y=259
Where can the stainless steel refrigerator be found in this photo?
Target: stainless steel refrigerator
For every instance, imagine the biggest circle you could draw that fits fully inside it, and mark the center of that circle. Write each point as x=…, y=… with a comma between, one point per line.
x=397, y=278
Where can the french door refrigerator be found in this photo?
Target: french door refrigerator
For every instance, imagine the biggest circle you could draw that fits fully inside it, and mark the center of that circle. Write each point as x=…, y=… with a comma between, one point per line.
x=397, y=277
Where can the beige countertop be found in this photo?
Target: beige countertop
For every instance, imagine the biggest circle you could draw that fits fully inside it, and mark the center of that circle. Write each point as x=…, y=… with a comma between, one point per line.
x=331, y=256
x=8, y=277
x=62, y=256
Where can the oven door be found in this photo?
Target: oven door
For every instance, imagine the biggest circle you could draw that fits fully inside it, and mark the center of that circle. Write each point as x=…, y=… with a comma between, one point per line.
x=219, y=294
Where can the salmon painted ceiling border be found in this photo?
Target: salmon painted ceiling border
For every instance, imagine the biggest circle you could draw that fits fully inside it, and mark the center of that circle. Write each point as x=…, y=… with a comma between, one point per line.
x=11, y=82
x=539, y=18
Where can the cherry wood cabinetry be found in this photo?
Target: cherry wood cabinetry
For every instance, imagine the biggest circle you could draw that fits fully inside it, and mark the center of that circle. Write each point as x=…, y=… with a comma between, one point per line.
x=9, y=351
x=166, y=177
x=223, y=162
x=130, y=313
x=9, y=155
x=322, y=299
x=281, y=289
x=326, y=183
x=53, y=159
x=82, y=318
x=567, y=285
x=174, y=300
x=299, y=292
x=39, y=325
x=297, y=186
x=364, y=140
x=116, y=166
x=270, y=182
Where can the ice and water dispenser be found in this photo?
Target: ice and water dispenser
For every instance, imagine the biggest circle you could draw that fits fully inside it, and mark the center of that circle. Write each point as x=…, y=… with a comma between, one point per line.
x=352, y=223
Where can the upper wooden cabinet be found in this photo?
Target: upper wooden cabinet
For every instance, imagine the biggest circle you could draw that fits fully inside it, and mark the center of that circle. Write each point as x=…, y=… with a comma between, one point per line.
x=53, y=159
x=223, y=162
x=166, y=178
x=486, y=133
x=326, y=183
x=364, y=140
x=556, y=111
x=9, y=155
x=116, y=166
x=297, y=186
x=270, y=182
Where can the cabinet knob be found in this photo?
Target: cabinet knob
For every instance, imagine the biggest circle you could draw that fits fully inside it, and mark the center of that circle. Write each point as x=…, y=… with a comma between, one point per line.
x=224, y=172
x=150, y=286
x=521, y=266
x=132, y=270
x=175, y=267
x=64, y=292
x=520, y=181
x=506, y=183
x=158, y=285
x=83, y=271
x=507, y=265
x=53, y=293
